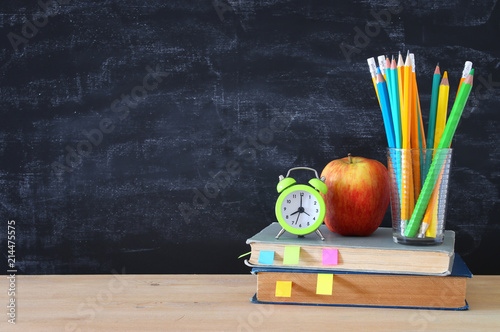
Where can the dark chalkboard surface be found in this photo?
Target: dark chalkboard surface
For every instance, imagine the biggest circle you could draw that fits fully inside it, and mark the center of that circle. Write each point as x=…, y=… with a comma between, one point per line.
x=147, y=137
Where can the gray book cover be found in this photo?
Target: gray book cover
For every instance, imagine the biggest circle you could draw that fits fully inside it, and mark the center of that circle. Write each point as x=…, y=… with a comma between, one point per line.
x=380, y=239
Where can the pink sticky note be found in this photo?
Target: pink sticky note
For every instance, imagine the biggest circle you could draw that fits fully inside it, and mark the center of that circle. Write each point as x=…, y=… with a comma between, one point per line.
x=330, y=256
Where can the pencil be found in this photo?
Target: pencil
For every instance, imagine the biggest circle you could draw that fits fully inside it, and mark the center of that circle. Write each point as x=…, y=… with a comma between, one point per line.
x=401, y=87
x=406, y=111
x=433, y=109
x=444, y=91
x=439, y=159
x=436, y=79
x=393, y=87
x=381, y=65
x=406, y=167
x=429, y=212
x=387, y=68
x=373, y=72
x=395, y=105
x=415, y=130
x=456, y=113
x=421, y=132
x=386, y=110
x=429, y=222
x=422, y=145
x=465, y=73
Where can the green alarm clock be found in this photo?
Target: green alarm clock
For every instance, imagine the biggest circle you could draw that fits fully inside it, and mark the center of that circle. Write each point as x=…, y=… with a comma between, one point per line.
x=300, y=209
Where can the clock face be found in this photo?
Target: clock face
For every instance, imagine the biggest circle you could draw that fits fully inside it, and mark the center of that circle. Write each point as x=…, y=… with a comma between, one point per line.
x=300, y=209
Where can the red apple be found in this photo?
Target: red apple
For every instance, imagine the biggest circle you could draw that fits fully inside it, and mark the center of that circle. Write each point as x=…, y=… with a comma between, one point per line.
x=357, y=197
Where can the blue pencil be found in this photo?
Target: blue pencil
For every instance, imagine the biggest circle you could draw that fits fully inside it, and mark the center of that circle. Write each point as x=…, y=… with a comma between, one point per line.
x=386, y=110
x=396, y=117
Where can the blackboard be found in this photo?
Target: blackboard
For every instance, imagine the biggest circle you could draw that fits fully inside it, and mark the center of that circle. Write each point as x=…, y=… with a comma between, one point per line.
x=148, y=137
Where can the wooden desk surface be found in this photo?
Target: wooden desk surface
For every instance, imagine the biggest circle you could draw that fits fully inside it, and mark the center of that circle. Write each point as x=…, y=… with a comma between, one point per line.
x=215, y=303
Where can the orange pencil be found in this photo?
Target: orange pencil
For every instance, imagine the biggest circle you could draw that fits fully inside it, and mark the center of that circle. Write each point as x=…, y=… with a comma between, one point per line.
x=415, y=131
x=401, y=82
x=407, y=194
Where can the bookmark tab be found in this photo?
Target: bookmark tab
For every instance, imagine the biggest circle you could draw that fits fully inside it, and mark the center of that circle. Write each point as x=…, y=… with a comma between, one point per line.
x=291, y=256
x=324, y=285
x=330, y=256
x=283, y=289
x=266, y=257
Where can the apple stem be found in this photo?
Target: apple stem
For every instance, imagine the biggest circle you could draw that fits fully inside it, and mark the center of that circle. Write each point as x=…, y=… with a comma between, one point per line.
x=350, y=158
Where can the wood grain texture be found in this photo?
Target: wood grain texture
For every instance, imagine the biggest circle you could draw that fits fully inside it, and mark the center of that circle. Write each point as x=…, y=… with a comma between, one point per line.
x=217, y=303
x=216, y=98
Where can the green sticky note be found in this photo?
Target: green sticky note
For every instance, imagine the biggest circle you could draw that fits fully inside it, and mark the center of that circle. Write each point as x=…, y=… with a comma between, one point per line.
x=324, y=285
x=283, y=289
x=291, y=256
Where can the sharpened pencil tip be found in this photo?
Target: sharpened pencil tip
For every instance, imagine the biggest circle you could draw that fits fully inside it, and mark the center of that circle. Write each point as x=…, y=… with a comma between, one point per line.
x=437, y=71
x=400, y=60
x=380, y=78
x=408, y=61
x=445, y=81
x=469, y=79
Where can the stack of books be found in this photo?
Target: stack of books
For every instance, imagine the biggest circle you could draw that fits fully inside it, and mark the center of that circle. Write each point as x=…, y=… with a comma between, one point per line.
x=356, y=271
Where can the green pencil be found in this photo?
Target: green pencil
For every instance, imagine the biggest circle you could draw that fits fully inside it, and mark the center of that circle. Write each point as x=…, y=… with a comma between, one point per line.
x=440, y=157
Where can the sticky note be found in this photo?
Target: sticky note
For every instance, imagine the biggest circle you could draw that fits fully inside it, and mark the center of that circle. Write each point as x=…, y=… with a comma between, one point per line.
x=283, y=288
x=330, y=256
x=324, y=285
x=266, y=257
x=291, y=256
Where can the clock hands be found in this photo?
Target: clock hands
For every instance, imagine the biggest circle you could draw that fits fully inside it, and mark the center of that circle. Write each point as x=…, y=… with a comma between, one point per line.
x=300, y=209
x=296, y=221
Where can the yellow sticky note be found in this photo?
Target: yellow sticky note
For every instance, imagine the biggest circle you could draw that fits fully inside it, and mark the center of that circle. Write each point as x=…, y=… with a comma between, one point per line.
x=291, y=256
x=283, y=288
x=324, y=285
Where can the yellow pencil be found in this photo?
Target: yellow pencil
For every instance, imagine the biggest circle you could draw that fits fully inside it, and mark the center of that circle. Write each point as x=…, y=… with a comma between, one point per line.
x=372, y=65
x=444, y=91
x=442, y=109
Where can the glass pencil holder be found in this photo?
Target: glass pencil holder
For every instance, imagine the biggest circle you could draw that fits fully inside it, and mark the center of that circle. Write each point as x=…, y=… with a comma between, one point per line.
x=419, y=191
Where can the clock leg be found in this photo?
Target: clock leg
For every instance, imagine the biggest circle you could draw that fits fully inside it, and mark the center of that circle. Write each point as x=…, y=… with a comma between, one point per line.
x=280, y=233
x=320, y=235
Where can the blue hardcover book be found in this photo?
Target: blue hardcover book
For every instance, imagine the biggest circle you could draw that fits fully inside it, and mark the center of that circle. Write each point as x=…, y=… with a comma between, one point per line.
x=344, y=288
